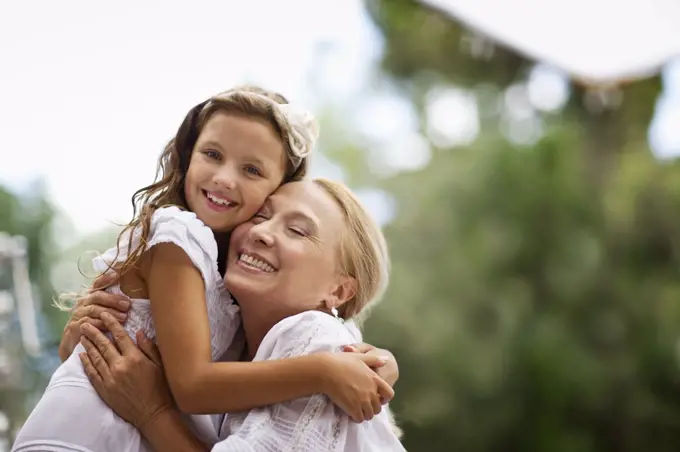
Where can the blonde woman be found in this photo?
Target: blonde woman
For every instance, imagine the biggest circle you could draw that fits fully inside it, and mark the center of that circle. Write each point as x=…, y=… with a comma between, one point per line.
x=230, y=153
x=326, y=262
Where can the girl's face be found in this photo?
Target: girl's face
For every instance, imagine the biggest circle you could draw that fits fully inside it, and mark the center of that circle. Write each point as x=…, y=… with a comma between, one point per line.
x=236, y=163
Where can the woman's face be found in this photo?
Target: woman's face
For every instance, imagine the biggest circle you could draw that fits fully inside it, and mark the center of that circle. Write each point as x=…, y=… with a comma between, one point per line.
x=285, y=260
x=236, y=163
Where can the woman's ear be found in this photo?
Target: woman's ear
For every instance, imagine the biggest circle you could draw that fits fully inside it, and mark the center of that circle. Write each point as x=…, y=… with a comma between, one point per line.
x=345, y=291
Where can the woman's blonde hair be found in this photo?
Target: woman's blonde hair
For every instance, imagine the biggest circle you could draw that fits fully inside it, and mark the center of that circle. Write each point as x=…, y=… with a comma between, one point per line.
x=363, y=251
x=363, y=256
x=173, y=163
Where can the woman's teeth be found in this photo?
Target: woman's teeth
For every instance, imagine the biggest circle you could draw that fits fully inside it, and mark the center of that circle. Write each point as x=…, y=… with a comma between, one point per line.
x=257, y=263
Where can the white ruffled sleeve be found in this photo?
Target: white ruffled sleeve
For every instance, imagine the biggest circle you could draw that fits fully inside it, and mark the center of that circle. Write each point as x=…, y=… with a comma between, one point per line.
x=308, y=424
x=170, y=225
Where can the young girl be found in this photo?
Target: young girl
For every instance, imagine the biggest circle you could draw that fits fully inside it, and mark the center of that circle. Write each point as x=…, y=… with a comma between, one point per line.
x=229, y=154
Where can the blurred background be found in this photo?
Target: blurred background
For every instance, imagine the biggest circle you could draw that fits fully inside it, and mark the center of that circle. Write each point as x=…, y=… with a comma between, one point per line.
x=521, y=157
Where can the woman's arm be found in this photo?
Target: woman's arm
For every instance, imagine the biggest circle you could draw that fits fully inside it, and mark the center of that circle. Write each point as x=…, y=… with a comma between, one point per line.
x=177, y=294
x=134, y=386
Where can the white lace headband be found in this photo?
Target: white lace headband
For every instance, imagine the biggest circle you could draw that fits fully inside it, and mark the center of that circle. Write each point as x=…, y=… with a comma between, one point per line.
x=303, y=127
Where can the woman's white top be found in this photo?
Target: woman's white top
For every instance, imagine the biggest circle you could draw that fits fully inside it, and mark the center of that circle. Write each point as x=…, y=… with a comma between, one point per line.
x=308, y=424
x=70, y=416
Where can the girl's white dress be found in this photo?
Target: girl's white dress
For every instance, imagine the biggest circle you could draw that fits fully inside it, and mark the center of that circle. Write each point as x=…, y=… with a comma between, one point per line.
x=70, y=415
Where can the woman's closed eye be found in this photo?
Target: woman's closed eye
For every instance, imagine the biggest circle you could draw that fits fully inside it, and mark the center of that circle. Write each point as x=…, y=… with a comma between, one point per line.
x=298, y=231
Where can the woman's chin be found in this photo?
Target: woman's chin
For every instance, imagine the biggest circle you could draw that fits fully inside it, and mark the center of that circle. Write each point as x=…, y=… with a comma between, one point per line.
x=245, y=283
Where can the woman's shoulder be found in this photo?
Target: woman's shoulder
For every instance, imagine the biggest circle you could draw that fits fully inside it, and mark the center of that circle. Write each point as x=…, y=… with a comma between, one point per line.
x=304, y=333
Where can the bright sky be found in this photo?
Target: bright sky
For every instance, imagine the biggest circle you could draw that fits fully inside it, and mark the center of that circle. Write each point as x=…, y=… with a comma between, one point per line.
x=90, y=94
x=92, y=91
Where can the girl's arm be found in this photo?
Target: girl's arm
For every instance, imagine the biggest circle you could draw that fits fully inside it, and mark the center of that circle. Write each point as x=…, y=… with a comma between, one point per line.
x=177, y=293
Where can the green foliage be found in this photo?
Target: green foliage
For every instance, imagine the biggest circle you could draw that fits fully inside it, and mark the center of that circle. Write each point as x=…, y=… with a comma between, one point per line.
x=32, y=216
x=423, y=44
x=533, y=303
x=524, y=316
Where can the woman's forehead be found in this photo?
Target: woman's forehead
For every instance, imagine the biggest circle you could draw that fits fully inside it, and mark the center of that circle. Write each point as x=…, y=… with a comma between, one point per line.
x=308, y=197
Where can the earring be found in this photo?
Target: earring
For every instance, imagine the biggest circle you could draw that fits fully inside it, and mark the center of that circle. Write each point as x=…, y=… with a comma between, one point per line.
x=334, y=311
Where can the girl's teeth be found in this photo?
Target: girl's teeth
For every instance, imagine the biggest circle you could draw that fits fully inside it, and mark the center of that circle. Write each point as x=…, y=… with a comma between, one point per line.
x=221, y=202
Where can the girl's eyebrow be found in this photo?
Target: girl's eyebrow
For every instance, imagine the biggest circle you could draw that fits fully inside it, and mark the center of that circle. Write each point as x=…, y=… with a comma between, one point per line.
x=211, y=143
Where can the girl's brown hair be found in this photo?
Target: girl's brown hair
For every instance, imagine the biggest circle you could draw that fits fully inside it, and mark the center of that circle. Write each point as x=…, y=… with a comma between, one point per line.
x=173, y=163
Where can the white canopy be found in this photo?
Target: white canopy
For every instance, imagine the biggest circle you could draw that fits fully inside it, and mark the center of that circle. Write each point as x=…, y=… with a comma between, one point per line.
x=595, y=41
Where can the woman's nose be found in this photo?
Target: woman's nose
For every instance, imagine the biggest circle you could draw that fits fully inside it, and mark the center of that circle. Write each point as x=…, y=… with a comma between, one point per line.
x=262, y=234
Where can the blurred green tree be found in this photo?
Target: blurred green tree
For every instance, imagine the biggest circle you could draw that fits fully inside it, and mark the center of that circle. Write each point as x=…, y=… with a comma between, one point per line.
x=533, y=303
x=29, y=215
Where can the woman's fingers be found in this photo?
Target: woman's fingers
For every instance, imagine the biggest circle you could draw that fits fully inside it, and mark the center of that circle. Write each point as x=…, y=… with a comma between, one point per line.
x=90, y=370
x=95, y=311
x=96, y=359
x=149, y=349
x=103, y=345
x=120, y=336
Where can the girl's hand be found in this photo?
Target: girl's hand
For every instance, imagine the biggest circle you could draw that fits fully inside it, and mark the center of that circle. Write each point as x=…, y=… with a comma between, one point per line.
x=89, y=308
x=389, y=372
x=354, y=386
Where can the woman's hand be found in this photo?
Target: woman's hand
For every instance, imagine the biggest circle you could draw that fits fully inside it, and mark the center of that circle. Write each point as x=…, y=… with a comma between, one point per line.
x=355, y=387
x=132, y=383
x=89, y=308
x=389, y=372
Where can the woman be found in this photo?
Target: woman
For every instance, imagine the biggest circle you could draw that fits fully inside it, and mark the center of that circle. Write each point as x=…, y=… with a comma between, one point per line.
x=329, y=263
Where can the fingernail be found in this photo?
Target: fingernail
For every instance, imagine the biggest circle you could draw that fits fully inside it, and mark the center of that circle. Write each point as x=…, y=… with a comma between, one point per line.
x=383, y=359
x=121, y=316
x=124, y=304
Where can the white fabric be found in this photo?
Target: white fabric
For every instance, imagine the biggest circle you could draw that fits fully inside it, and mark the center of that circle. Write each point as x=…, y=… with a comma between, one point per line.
x=309, y=424
x=71, y=416
x=592, y=40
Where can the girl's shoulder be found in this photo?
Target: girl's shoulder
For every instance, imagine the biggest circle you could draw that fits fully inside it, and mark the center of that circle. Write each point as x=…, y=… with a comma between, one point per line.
x=170, y=225
x=184, y=228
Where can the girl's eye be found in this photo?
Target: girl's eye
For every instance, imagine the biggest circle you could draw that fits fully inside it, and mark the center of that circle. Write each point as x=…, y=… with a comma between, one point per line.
x=253, y=170
x=212, y=154
x=260, y=216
